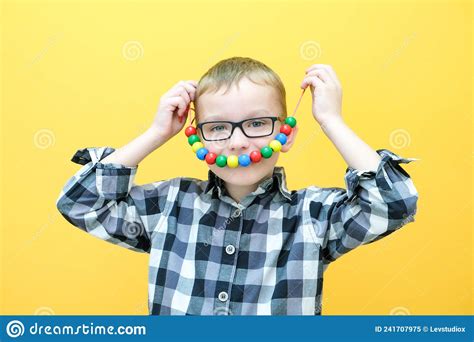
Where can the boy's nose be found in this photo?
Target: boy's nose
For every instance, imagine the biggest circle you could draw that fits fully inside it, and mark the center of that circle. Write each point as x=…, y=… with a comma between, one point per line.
x=238, y=140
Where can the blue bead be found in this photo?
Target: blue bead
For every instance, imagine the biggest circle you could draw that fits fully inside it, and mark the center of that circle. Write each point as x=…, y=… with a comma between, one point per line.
x=201, y=153
x=244, y=160
x=281, y=138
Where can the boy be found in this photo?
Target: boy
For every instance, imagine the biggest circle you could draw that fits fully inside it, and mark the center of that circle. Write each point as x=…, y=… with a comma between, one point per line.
x=240, y=242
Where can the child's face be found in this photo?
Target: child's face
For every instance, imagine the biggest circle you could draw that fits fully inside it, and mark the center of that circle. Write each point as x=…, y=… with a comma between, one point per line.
x=248, y=101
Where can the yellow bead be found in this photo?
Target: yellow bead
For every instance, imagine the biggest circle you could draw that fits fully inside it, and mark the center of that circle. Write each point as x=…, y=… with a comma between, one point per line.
x=275, y=145
x=197, y=145
x=232, y=161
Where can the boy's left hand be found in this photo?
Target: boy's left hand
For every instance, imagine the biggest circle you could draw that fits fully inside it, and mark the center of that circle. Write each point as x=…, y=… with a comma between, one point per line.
x=326, y=90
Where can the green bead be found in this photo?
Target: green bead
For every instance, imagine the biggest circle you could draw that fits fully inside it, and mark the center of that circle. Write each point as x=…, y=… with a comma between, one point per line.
x=221, y=161
x=291, y=121
x=266, y=152
x=193, y=139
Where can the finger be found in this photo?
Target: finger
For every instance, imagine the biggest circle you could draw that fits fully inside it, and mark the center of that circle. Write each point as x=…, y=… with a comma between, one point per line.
x=185, y=115
x=333, y=75
x=321, y=75
x=181, y=91
x=181, y=84
x=324, y=75
x=185, y=95
x=315, y=81
x=189, y=82
x=178, y=102
x=193, y=82
x=329, y=70
x=191, y=90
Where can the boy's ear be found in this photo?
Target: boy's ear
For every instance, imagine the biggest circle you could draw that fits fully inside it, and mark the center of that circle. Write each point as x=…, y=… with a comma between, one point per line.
x=290, y=140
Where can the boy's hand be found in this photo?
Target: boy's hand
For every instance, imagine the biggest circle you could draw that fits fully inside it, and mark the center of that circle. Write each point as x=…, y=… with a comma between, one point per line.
x=173, y=109
x=326, y=90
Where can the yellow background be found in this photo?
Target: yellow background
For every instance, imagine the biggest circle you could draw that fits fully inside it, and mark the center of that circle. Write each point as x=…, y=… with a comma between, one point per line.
x=70, y=80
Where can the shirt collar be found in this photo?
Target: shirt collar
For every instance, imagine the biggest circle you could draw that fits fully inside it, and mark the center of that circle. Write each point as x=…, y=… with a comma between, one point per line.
x=278, y=179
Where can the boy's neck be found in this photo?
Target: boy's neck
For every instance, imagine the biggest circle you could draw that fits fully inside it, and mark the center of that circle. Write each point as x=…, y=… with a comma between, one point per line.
x=239, y=192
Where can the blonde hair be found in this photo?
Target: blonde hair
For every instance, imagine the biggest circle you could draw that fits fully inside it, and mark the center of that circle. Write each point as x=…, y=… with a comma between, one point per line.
x=230, y=71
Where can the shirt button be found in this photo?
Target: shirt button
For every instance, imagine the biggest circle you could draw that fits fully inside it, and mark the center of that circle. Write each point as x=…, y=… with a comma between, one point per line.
x=223, y=296
x=237, y=212
x=230, y=249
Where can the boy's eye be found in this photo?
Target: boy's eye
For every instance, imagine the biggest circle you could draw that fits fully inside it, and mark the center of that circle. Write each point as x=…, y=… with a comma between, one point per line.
x=257, y=123
x=218, y=128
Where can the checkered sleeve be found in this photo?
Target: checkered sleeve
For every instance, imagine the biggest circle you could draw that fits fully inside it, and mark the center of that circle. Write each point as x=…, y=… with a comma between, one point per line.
x=102, y=200
x=373, y=205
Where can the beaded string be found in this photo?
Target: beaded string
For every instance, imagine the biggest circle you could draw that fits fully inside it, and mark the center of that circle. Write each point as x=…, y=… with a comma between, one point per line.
x=244, y=160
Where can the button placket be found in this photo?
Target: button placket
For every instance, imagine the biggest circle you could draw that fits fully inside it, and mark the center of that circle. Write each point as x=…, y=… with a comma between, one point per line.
x=231, y=240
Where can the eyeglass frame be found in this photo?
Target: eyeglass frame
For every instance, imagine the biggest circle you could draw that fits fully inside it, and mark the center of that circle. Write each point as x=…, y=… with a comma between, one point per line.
x=239, y=124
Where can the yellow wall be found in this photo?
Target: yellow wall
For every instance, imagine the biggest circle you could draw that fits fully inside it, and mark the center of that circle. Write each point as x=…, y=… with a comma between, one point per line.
x=69, y=83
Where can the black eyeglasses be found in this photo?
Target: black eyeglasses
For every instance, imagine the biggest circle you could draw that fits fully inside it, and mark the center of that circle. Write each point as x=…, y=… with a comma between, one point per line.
x=252, y=128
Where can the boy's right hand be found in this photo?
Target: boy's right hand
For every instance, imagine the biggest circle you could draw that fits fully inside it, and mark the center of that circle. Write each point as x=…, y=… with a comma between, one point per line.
x=173, y=109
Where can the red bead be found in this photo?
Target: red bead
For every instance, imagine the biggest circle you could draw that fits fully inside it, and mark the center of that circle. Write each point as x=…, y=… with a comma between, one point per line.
x=211, y=158
x=285, y=129
x=255, y=156
x=190, y=130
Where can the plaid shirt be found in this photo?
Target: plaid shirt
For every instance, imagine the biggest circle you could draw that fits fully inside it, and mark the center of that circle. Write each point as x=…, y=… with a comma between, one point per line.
x=210, y=255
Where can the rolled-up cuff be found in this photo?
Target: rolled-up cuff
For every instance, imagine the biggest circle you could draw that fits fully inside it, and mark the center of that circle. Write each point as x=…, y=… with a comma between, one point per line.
x=388, y=171
x=113, y=180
